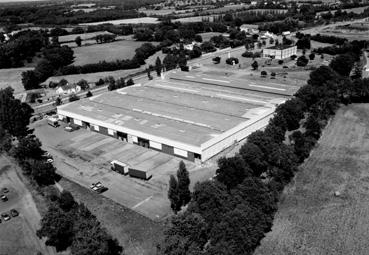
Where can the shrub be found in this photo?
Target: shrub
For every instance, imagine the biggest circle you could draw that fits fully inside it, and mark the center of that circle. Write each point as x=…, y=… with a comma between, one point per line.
x=293, y=57
x=263, y=73
x=232, y=60
x=280, y=62
x=302, y=61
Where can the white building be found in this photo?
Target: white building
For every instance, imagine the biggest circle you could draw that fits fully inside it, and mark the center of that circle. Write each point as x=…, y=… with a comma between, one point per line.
x=68, y=89
x=250, y=28
x=280, y=52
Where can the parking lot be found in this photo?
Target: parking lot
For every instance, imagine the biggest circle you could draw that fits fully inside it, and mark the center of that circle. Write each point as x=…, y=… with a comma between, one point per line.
x=84, y=157
x=18, y=232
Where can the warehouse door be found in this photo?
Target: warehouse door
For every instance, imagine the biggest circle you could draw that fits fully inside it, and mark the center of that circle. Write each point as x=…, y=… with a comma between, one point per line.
x=122, y=136
x=143, y=142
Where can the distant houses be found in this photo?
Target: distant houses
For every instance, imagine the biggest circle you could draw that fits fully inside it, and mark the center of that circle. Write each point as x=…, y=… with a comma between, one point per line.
x=250, y=28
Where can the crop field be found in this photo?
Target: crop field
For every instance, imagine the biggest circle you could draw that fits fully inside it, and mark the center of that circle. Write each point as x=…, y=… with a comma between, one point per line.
x=12, y=77
x=311, y=219
x=117, y=50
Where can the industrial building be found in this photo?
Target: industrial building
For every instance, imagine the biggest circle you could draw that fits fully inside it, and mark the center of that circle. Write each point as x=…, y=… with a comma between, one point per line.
x=189, y=115
x=280, y=51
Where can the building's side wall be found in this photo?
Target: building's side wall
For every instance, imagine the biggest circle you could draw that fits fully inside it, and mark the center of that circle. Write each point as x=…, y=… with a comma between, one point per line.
x=218, y=144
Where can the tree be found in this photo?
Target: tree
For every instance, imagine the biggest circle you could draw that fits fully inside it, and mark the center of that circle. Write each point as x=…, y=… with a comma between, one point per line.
x=73, y=98
x=58, y=101
x=232, y=171
x=14, y=115
x=312, y=56
x=30, y=80
x=183, y=184
x=55, y=41
x=302, y=61
x=28, y=147
x=43, y=173
x=255, y=65
x=254, y=158
x=120, y=83
x=211, y=200
x=66, y=201
x=83, y=84
x=342, y=64
x=358, y=72
x=198, y=38
x=130, y=82
x=173, y=194
x=78, y=41
x=57, y=227
x=170, y=62
x=186, y=235
x=158, y=66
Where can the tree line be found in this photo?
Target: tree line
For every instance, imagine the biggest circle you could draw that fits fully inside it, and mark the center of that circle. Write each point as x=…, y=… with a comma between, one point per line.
x=232, y=213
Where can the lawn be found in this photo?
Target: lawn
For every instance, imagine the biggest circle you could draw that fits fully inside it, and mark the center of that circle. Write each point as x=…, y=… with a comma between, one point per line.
x=12, y=77
x=311, y=219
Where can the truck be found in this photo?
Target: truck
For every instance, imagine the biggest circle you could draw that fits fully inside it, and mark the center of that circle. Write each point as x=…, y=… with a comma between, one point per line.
x=139, y=173
x=119, y=167
x=52, y=121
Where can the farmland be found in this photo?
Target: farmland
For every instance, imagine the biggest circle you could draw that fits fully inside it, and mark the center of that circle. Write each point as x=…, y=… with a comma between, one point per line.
x=124, y=49
x=311, y=219
x=144, y=20
x=84, y=36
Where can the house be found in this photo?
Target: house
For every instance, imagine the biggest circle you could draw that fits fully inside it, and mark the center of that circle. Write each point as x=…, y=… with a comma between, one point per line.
x=279, y=51
x=68, y=89
x=250, y=28
x=286, y=33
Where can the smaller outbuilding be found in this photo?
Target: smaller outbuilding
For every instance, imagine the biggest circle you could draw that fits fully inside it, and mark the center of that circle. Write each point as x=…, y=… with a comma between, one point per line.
x=280, y=51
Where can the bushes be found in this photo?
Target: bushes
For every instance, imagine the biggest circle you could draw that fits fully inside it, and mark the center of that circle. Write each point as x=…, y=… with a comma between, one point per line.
x=232, y=61
x=302, y=61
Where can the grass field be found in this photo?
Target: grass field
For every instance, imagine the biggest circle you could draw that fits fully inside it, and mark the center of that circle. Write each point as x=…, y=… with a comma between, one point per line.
x=143, y=20
x=12, y=77
x=311, y=220
x=124, y=49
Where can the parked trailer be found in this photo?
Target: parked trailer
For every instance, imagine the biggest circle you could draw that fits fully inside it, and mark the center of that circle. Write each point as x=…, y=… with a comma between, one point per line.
x=54, y=122
x=119, y=167
x=139, y=173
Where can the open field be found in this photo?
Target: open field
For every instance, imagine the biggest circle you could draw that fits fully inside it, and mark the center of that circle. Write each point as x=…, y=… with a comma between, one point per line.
x=12, y=77
x=137, y=234
x=124, y=49
x=18, y=235
x=310, y=219
x=206, y=36
x=143, y=20
x=353, y=31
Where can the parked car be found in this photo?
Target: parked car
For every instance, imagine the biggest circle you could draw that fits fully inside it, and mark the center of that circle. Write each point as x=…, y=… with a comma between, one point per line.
x=4, y=198
x=49, y=160
x=68, y=129
x=14, y=213
x=5, y=216
x=98, y=187
x=5, y=190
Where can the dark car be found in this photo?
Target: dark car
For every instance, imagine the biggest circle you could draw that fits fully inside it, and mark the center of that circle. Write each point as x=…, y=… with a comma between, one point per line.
x=14, y=213
x=5, y=190
x=4, y=198
x=5, y=216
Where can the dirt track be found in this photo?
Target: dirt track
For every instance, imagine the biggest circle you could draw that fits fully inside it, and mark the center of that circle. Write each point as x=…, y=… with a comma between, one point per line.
x=311, y=220
x=18, y=235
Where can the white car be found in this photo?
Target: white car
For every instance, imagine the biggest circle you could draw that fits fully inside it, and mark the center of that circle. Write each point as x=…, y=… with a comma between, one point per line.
x=49, y=160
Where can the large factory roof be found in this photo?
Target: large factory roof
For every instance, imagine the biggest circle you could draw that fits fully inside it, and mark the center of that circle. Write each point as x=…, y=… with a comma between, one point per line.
x=186, y=112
